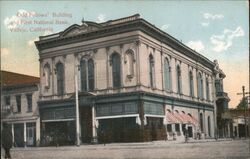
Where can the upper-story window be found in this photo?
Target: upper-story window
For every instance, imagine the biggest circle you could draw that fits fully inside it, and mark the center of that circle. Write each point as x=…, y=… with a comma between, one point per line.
x=29, y=102
x=207, y=89
x=87, y=75
x=116, y=70
x=151, y=70
x=60, y=78
x=18, y=103
x=47, y=75
x=129, y=62
x=178, y=77
x=167, y=79
x=200, y=86
x=7, y=100
x=191, y=84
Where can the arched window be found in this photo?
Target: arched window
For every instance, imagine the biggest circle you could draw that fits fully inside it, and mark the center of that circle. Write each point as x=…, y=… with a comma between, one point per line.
x=91, y=78
x=129, y=61
x=83, y=72
x=167, y=75
x=87, y=75
x=191, y=83
x=116, y=67
x=201, y=122
x=151, y=70
x=209, y=126
x=60, y=78
x=207, y=89
x=47, y=75
x=200, y=86
x=178, y=74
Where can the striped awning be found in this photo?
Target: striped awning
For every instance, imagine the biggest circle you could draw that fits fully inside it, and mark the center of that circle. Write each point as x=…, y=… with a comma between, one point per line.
x=181, y=117
x=171, y=118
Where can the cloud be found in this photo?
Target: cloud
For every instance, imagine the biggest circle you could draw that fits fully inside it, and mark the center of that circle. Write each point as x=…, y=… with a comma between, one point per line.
x=5, y=52
x=213, y=16
x=15, y=20
x=101, y=18
x=204, y=24
x=165, y=27
x=31, y=42
x=225, y=40
x=196, y=45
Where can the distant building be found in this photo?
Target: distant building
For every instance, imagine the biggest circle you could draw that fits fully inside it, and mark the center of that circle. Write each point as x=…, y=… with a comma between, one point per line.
x=135, y=83
x=222, y=99
x=19, y=107
x=236, y=123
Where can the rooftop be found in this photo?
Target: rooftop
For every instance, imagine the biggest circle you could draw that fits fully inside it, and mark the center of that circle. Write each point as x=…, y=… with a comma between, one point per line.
x=16, y=79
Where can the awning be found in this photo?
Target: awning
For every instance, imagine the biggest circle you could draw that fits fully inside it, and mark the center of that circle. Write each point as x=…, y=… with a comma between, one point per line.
x=171, y=118
x=191, y=119
x=180, y=118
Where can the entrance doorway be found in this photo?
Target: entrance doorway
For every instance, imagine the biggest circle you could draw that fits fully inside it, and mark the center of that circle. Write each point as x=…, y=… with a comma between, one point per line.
x=190, y=131
x=86, y=124
x=19, y=135
x=31, y=134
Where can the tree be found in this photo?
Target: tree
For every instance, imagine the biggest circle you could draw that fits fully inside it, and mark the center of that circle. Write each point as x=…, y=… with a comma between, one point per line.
x=242, y=104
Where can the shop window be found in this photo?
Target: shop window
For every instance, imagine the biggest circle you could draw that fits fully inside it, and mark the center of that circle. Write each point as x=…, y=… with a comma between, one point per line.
x=169, y=127
x=7, y=100
x=177, y=127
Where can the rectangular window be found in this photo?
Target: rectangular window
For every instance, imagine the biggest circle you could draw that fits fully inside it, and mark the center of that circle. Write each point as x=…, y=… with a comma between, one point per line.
x=29, y=102
x=177, y=127
x=18, y=103
x=169, y=128
x=7, y=100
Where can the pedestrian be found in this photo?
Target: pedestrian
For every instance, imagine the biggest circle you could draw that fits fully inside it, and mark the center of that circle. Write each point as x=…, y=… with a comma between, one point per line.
x=6, y=140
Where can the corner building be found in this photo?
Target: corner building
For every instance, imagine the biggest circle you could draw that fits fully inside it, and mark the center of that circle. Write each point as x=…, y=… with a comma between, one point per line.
x=135, y=83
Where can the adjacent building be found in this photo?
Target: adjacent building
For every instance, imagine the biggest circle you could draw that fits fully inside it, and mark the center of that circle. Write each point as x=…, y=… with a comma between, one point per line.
x=19, y=107
x=134, y=82
x=222, y=99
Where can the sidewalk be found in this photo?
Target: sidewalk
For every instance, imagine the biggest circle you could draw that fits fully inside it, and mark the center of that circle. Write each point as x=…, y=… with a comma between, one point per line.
x=122, y=145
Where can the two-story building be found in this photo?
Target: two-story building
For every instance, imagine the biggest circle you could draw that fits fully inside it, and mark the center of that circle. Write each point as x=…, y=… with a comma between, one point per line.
x=135, y=83
x=19, y=107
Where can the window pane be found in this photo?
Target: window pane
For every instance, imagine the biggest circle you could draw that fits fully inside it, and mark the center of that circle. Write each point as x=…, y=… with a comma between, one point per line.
x=18, y=103
x=91, y=75
x=166, y=75
x=116, y=70
x=29, y=102
x=60, y=78
x=83, y=75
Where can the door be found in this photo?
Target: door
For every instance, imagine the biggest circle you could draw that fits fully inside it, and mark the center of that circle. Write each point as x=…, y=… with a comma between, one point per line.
x=190, y=131
x=31, y=134
x=19, y=135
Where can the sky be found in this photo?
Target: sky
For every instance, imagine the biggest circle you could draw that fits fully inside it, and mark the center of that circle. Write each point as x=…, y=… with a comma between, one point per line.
x=217, y=30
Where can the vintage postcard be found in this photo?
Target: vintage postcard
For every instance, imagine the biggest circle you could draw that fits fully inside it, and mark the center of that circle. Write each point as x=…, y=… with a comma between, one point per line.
x=125, y=79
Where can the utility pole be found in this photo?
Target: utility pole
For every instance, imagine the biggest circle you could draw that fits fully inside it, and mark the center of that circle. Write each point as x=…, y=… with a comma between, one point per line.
x=244, y=104
x=78, y=141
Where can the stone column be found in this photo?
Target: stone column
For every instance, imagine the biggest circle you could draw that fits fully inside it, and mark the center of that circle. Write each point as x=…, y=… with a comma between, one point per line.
x=13, y=134
x=24, y=135
x=94, y=135
x=38, y=132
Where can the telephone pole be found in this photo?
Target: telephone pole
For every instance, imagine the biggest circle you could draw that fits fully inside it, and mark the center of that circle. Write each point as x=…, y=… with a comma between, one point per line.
x=244, y=104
